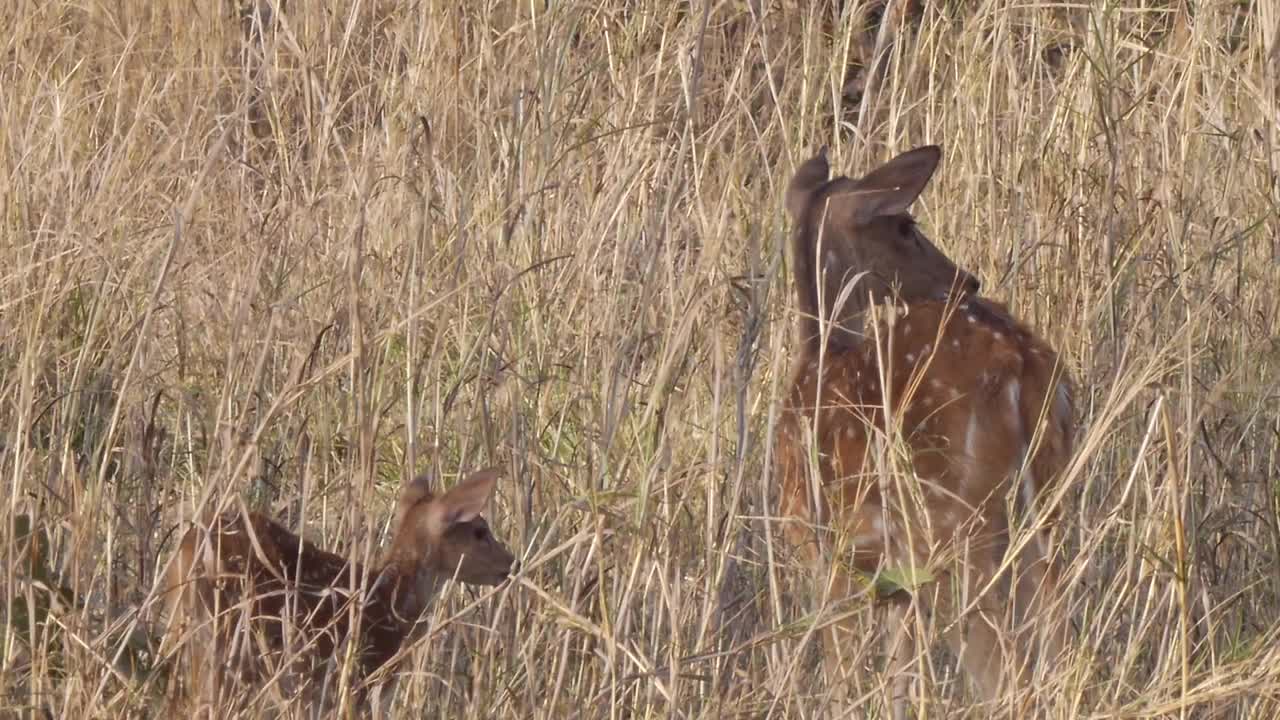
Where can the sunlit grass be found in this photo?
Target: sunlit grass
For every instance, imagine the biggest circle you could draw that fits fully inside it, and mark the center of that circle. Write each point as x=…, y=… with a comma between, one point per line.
x=398, y=237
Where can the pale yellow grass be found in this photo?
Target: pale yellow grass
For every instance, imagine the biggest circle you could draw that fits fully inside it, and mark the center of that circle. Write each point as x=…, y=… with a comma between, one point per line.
x=446, y=235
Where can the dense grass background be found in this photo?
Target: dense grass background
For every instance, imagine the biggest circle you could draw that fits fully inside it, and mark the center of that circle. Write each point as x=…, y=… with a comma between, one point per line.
x=386, y=237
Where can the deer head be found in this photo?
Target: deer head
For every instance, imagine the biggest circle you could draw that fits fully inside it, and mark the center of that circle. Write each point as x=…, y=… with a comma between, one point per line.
x=438, y=538
x=860, y=231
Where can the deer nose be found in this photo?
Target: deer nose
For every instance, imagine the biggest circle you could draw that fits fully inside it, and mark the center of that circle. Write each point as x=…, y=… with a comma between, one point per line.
x=972, y=285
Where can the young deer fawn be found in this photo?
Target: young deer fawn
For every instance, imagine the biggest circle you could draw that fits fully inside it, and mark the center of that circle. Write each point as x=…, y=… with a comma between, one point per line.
x=980, y=409
x=252, y=600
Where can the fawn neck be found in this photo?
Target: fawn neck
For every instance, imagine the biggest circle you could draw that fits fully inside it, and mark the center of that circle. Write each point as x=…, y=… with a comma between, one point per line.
x=408, y=578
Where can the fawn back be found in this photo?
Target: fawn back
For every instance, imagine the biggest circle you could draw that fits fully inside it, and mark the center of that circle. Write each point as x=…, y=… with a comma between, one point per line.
x=246, y=595
x=982, y=408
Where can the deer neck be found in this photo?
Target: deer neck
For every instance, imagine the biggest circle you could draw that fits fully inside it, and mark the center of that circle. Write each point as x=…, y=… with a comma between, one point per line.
x=845, y=332
x=854, y=329
x=408, y=584
x=400, y=592
x=845, y=329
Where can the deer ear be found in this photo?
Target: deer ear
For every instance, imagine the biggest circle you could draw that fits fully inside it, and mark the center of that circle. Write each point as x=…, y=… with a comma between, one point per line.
x=414, y=492
x=463, y=503
x=891, y=188
x=808, y=178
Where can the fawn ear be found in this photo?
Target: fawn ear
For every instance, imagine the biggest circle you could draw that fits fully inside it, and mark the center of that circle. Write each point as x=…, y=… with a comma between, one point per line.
x=414, y=492
x=463, y=503
x=891, y=188
x=808, y=178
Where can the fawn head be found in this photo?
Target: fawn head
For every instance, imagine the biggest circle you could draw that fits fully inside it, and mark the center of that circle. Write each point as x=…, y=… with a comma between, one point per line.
x=861, y=231
x=446, y=535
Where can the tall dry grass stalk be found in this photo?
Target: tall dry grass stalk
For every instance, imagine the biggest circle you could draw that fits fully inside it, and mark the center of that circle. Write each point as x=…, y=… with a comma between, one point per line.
x=299, y=260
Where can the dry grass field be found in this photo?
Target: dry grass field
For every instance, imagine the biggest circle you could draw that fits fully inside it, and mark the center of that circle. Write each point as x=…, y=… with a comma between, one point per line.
x=295, y=266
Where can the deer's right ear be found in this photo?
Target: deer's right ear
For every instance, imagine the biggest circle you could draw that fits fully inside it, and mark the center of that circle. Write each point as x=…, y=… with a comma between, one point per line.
x=464, y=501
x=891, y=188
x=808, y=178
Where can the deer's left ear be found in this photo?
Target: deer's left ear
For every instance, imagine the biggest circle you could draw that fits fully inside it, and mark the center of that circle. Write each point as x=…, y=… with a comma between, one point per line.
x=808, y=178
x=414, y=492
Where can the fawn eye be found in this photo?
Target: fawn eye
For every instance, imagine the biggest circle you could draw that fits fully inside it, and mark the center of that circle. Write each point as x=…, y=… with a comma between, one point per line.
x=905, y=226
x=481, y=533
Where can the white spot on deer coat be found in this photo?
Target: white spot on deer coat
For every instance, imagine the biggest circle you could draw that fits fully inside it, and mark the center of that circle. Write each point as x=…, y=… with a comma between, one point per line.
x=971, y=436
x=1012, y=394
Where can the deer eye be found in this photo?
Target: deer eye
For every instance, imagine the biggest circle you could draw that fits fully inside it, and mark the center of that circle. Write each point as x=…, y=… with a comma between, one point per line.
x=481, y=533
x=906, y=227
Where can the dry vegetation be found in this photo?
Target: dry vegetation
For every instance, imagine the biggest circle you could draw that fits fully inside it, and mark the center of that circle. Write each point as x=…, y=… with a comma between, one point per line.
x=293, y=267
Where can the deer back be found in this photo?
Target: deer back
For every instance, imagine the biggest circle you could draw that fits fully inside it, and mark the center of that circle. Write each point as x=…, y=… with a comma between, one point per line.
x=977, y=400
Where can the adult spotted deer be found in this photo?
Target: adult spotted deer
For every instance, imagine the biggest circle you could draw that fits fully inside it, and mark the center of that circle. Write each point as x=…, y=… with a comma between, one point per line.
x=250, y=601
x=919, y=416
